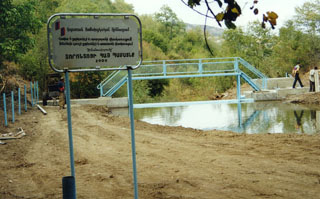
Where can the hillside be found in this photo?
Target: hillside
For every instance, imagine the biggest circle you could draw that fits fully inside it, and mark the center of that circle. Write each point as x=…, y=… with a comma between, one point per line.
x=217, y=32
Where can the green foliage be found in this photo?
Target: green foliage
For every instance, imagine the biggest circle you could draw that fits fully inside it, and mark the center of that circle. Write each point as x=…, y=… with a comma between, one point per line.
x=17, y=24
x=308, y=16
x=254, y=45
x=156, y=39
x=171, y=25
x=84, y=85
x=152, y=52
x=45, y=8
x=191, y=44
x=141, y=92
x=164, y=37
x=34, y=64
x=122, y=6
x=157, y=86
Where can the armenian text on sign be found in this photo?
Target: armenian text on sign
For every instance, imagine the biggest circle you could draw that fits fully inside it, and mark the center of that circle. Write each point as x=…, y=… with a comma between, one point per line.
x=84, y=42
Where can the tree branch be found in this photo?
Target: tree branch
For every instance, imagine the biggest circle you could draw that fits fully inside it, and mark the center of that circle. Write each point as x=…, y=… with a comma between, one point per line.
x=212, y=13
x=197, y=10
x=205, y=34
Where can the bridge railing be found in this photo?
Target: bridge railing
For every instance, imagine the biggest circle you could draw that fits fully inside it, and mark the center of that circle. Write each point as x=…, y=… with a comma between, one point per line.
x=253, y=73
x=112, y=82
x=185, y=68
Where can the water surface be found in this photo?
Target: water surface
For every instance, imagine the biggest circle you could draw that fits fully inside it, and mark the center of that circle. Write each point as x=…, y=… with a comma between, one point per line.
x=258, y=117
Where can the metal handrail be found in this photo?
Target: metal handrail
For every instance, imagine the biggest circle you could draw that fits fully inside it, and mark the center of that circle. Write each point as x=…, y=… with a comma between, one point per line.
x=184, y=68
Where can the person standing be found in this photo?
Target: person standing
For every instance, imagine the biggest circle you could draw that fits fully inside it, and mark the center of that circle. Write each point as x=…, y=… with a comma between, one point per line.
x=312, y=79
x=61, y=93
x=295, y=73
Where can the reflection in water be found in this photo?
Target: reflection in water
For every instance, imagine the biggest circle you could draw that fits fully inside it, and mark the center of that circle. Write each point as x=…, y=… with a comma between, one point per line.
x=258, y=117
x=298, y=118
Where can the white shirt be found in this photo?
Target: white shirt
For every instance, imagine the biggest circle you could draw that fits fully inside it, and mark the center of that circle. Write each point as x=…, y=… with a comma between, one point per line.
x=311, y=75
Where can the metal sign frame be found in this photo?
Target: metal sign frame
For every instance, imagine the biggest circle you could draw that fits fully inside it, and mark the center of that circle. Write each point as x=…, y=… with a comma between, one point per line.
x=95, y=16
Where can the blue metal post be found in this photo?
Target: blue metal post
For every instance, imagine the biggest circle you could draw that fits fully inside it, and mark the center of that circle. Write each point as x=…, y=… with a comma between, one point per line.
x=101, y=91
x=5, y=110
x=236, y=68
x=236, y=65
x=25, y=98
x=238, y=88
x=31, y=93
x=70, y=130
x=34, y=93
x=200, y=66
x=239, y=117
x=19, y=99
x=37, y=92
x=164, y=68
x=133, y=145
x=12, y=105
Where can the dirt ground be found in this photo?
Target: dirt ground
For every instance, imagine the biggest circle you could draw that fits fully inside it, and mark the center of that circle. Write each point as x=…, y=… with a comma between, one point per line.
x=172, y=162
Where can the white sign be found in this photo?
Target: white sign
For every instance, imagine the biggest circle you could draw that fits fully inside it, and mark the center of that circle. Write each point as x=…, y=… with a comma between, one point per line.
x=85, y=42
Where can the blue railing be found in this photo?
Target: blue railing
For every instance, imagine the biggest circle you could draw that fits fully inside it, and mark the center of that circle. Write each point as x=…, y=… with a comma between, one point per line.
x=206, y=67
x=261, y=79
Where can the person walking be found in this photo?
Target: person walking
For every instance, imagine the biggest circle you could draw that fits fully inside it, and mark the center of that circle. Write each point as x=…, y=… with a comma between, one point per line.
x=312, y=79
x=61, y=93
x=295, y=73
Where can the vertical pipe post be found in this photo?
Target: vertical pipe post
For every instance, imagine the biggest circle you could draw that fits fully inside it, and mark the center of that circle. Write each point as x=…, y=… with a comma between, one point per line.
x=238, y=88
x=12, y=105
x=19, y=99
x=164, y=68
x=240, y=117
x=5, y=110
x=200, y=66
x=34, y=93
x=31, y=93
x=25, y=98
x=37, y=92
x=70, y=130
x=133, y=145
x=236, y=67
x=101, y=91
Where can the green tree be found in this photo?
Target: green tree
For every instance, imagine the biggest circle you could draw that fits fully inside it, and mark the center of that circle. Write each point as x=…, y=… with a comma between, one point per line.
x=308, y=16
x=156, y=39
x=157, y=86
x=172, y=26
x=18, y=22
x=84, y=85
x=254, y=45
x=307, y=20
x=34, y=65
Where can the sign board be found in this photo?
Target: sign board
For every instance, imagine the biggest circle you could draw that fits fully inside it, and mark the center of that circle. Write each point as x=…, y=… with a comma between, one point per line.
x=96, y=42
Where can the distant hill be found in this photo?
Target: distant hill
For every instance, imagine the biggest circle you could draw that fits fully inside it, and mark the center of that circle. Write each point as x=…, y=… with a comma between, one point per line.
x=217, y=32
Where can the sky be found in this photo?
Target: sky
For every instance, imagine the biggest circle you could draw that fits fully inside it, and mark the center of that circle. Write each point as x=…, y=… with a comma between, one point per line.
x=284, y=8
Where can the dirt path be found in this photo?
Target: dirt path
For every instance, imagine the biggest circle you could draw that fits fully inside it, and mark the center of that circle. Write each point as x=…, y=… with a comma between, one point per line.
x=172, y=162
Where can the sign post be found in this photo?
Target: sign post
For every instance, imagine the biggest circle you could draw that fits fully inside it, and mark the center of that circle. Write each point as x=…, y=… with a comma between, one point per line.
x=83, y=42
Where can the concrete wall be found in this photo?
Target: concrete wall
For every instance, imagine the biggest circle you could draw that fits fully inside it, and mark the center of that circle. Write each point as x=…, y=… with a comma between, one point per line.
x=121, y=102
x=276, y=94
x=274, y=83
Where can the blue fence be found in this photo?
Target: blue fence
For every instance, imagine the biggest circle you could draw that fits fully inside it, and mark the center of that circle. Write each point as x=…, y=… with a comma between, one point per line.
x=206, y=67
x=16, y=99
